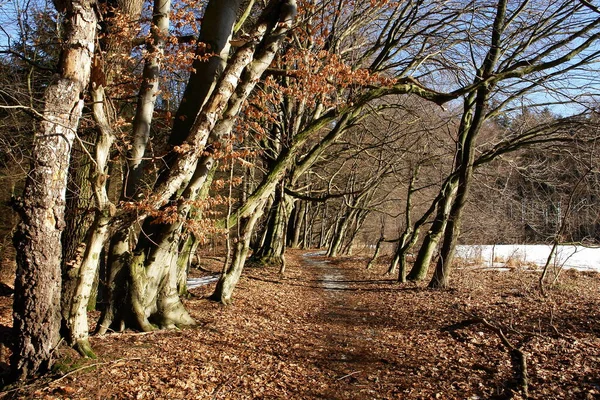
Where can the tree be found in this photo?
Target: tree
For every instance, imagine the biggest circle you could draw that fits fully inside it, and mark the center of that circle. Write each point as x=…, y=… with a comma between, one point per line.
x=506, y=70
x=38, y=282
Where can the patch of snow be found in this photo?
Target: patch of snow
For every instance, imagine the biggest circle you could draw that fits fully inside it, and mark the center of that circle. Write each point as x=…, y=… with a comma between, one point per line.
x=193, y=283
x=499, y=256
x=315, y=253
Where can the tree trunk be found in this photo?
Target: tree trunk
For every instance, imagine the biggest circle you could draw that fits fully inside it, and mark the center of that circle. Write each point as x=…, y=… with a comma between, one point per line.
x=322, y=230
x=471, y=122
x=77, y=321
x=231, y=273
x=430, y=242
x=273, y=247
x=307, y=228
x=38, y=239
x=147, y=96
x=339, y=234
x=297, y=222
x=153, y=299
x=441, y=276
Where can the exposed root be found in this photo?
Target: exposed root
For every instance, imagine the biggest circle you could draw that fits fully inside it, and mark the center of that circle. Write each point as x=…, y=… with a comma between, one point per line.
x=84, y=348
x=517, y=356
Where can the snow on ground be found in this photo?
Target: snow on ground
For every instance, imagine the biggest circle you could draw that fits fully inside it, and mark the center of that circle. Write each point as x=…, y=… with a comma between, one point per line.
x=193, y=283
x=567, y=256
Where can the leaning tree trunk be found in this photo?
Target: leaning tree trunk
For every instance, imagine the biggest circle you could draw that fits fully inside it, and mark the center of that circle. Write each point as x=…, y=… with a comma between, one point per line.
x=472, y=120
x=153, y=299
x=475, y=105
x=233, y=271
x=76, y=311
x=125, y=268
x=430, y=242
x=76, y=307
x=441, y=276
x=337, y=238
x=38, y=239
x=78, y=218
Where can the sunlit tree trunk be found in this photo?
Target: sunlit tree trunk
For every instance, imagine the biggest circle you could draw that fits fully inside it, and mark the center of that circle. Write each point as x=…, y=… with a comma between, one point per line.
x=471, y=122
x=77, y=304
x=232, y=272
x=474, y=115
x=431, y=239
x=152, y=296
x=38, y=239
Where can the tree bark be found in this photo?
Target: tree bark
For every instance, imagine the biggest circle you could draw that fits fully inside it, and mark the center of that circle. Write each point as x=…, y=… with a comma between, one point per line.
x=38, y=240
x=471, y=122
x=232, y=272
x=77, y=321
x=430, y=242
x=273, y=247
x=147, y=96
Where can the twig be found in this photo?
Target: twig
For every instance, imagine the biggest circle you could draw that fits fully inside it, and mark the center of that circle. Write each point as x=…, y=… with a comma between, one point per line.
x=347, y=375
x=93, y=365
x=560, y=232
x=67, y=374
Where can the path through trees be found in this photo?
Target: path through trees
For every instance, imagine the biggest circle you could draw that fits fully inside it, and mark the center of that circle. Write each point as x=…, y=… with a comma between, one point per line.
x=336, y=330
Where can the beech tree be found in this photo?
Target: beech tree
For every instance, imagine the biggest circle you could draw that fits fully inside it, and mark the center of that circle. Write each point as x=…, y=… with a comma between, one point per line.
x=38, y=239
x=152, y=292
x=379, y=65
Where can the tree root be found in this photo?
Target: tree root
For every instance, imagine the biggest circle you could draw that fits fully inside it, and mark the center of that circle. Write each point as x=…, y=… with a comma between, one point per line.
x=84, y=348
x=517, y=357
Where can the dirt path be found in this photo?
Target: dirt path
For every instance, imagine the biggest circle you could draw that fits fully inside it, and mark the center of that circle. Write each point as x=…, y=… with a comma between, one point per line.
x=342, y=312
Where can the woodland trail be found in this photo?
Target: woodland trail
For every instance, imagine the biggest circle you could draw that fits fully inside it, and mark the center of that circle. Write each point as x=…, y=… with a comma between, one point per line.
x=329, y=329
x=344, y=314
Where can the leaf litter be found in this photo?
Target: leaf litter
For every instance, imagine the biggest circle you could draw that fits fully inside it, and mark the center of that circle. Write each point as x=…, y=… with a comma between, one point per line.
x=337, y=331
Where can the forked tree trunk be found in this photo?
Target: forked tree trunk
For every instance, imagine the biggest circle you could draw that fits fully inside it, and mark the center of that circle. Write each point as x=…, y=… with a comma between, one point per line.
x=431, y=240
x=38, y=239
x=475, y=105
x=470, y=124
x=273, y=247
x=152, y=299
x=124, y=267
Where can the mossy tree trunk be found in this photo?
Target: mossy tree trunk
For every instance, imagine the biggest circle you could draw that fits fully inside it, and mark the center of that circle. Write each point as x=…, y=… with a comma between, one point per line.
x=273, y=247
x=231, y=273
x=431, y=239
x=474, y=115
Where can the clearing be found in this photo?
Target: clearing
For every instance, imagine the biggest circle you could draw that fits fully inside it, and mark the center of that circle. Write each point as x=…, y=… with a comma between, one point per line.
x=330, y=329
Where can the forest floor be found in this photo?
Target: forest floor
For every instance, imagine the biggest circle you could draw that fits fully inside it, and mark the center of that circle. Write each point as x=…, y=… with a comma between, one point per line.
x=330, y=329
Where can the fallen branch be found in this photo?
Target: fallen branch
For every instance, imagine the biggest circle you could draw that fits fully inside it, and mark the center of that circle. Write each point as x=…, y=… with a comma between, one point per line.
x=93, y=365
